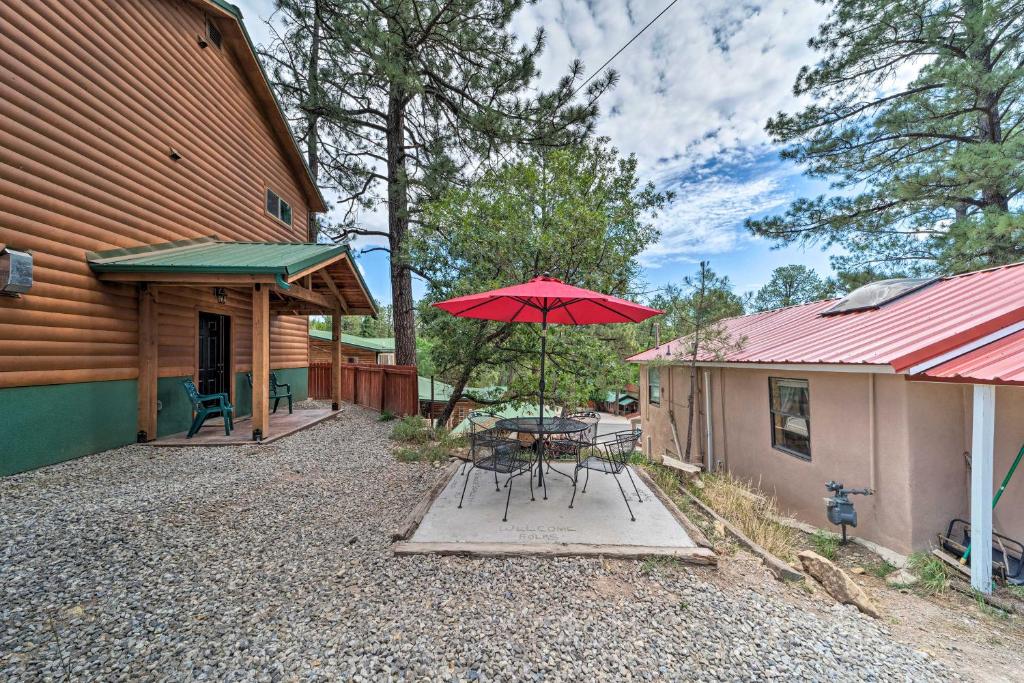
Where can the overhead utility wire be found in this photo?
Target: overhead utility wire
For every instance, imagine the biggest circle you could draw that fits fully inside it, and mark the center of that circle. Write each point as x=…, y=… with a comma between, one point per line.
x=621, y=49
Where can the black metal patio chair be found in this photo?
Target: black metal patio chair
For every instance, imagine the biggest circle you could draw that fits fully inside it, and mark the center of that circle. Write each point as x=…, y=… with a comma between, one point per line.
x=609, y=454
x=570, y=445
x=501, y=456
x=482, y=431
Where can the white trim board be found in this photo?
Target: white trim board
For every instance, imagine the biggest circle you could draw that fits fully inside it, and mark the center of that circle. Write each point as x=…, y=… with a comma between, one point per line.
x=966, y=348
x=878, y=369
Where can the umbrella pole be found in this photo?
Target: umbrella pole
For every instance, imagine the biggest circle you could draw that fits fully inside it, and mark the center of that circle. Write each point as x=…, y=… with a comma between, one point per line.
x=540, y=435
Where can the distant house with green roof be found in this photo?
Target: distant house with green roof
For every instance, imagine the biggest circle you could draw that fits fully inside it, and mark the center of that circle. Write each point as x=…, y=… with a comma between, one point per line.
x=354, y=349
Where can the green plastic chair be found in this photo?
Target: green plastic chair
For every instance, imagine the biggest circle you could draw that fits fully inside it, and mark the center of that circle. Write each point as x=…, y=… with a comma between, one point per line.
x=220, y=405
x=278, y=391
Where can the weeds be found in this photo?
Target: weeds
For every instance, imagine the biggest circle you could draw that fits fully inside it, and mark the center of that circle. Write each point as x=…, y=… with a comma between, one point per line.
x=425, y=444
x=754, y=513
x=932, y=572
x=987, y=609
x=880, y=569
x=386, y=416
x=1016, y=591
x=411, y=429
x=825, y=544
x=428, y=453
x=652, y=564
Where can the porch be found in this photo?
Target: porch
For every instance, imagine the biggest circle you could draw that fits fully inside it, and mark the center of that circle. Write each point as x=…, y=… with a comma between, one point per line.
x=280, y=425
x=226, y=315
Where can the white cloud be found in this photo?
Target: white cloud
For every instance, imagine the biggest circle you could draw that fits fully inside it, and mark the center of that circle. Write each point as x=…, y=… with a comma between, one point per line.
x=695, y=89
x=705, y=215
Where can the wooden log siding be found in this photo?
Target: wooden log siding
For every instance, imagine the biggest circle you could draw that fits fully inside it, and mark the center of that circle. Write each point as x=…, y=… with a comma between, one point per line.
x=93, y=95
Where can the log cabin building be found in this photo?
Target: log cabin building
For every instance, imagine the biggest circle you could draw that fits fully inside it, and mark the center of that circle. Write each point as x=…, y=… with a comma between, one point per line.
x=153, y=212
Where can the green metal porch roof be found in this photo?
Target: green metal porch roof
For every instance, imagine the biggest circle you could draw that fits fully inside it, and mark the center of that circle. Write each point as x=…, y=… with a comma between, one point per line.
x=378, y=344
x=208, y=255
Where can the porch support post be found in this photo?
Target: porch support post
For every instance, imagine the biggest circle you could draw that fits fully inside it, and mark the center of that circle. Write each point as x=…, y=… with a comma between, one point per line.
x=982, y=442
x=335, y=360
x=147, y=383
x=260, y=361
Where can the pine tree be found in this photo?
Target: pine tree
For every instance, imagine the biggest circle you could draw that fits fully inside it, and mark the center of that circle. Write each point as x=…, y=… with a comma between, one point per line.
x=791, y=285
x=925, y=171
x=414, y=96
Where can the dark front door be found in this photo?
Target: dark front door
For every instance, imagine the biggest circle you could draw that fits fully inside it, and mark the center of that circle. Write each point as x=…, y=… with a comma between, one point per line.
x=214, y=353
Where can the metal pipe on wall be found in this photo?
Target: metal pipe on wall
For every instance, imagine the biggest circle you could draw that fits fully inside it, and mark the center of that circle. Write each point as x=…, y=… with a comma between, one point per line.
x=873, y=473
x=710, y=453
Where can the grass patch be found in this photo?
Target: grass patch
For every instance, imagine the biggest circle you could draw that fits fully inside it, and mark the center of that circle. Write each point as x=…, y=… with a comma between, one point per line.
x=880, y=569
x=749, y=510
x=1016, y=591
x=432, y=452
x=650, y=565
x=825, y=544
x=932, y=572
x=386, y=416
x=412, y=429
x=424, y=444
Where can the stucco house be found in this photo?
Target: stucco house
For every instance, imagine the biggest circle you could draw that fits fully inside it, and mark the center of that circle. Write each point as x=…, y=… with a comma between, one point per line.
x=910, y=387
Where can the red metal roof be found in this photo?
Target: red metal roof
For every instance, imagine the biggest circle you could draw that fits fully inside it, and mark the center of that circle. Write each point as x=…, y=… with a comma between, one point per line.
x=924, y=324
x=999, y=362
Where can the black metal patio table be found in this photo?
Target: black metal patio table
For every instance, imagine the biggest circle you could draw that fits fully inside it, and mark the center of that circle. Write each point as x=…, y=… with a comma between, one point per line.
x=540, y=428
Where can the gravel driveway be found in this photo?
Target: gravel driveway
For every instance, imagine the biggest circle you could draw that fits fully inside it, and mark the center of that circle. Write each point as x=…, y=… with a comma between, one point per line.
x=272, y=563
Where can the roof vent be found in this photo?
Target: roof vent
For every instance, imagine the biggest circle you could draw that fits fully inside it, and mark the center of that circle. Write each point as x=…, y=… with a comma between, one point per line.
x=877, y=294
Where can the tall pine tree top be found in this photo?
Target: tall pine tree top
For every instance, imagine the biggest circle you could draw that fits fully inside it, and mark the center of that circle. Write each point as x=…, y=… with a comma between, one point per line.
x=916, y=120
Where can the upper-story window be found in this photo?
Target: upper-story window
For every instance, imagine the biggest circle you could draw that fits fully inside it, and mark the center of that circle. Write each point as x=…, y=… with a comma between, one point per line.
x=653, y=386
x=213, y=33
x=279, y=208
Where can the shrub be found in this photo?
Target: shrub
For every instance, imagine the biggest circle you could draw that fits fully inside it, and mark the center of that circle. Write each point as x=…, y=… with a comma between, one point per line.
x=411, y=429
x=825, y=544
x=386, y=416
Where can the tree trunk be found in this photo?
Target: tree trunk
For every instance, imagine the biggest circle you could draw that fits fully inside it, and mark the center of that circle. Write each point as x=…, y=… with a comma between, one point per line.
x=457, y=389
x=313, y=119
x=398, y=227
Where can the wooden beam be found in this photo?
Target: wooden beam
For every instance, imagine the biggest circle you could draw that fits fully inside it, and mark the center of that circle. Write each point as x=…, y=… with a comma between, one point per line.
x=188, y=278
x=307, y=295
x=147, y=383
x=312, y=269
x=326, y=277
x=335, y=361
x=260, y=361
x=701, y=556
x=982, y=447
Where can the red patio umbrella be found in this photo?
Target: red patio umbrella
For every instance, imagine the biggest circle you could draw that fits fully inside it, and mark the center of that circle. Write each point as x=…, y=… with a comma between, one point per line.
x=546, y=300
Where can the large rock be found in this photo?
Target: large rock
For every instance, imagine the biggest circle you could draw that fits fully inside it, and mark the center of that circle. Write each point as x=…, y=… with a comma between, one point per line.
x=836, y=582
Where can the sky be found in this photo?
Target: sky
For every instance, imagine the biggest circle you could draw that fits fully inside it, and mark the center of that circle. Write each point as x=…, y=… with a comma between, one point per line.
x=694, y=94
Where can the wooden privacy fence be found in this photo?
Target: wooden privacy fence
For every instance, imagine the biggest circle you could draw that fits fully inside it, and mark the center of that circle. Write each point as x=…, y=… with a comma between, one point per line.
x=394, y=388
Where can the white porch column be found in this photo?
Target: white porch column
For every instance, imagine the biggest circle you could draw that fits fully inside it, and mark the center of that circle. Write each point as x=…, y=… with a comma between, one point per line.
x=982, y=440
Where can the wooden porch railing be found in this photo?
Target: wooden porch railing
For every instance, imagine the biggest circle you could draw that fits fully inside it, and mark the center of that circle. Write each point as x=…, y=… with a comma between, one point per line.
x=394, y=388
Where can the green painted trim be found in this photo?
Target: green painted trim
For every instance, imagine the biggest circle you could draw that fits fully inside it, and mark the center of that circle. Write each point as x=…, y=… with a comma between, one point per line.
x=175, y=412
x=45, y=425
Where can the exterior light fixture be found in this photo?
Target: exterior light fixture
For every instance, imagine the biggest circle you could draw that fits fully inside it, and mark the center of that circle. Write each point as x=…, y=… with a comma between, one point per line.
x=221, y=294
x=15, y=272
x=202, y=41
x=175, y=154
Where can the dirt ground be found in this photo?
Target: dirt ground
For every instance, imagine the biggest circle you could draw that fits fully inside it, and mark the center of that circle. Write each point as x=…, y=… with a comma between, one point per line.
x=980, y=644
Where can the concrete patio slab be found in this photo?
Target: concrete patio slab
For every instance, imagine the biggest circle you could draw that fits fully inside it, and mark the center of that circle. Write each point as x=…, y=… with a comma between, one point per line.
x=598, y=524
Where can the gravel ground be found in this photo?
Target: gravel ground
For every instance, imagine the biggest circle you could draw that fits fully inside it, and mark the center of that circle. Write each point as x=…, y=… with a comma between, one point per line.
x=272, y=563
